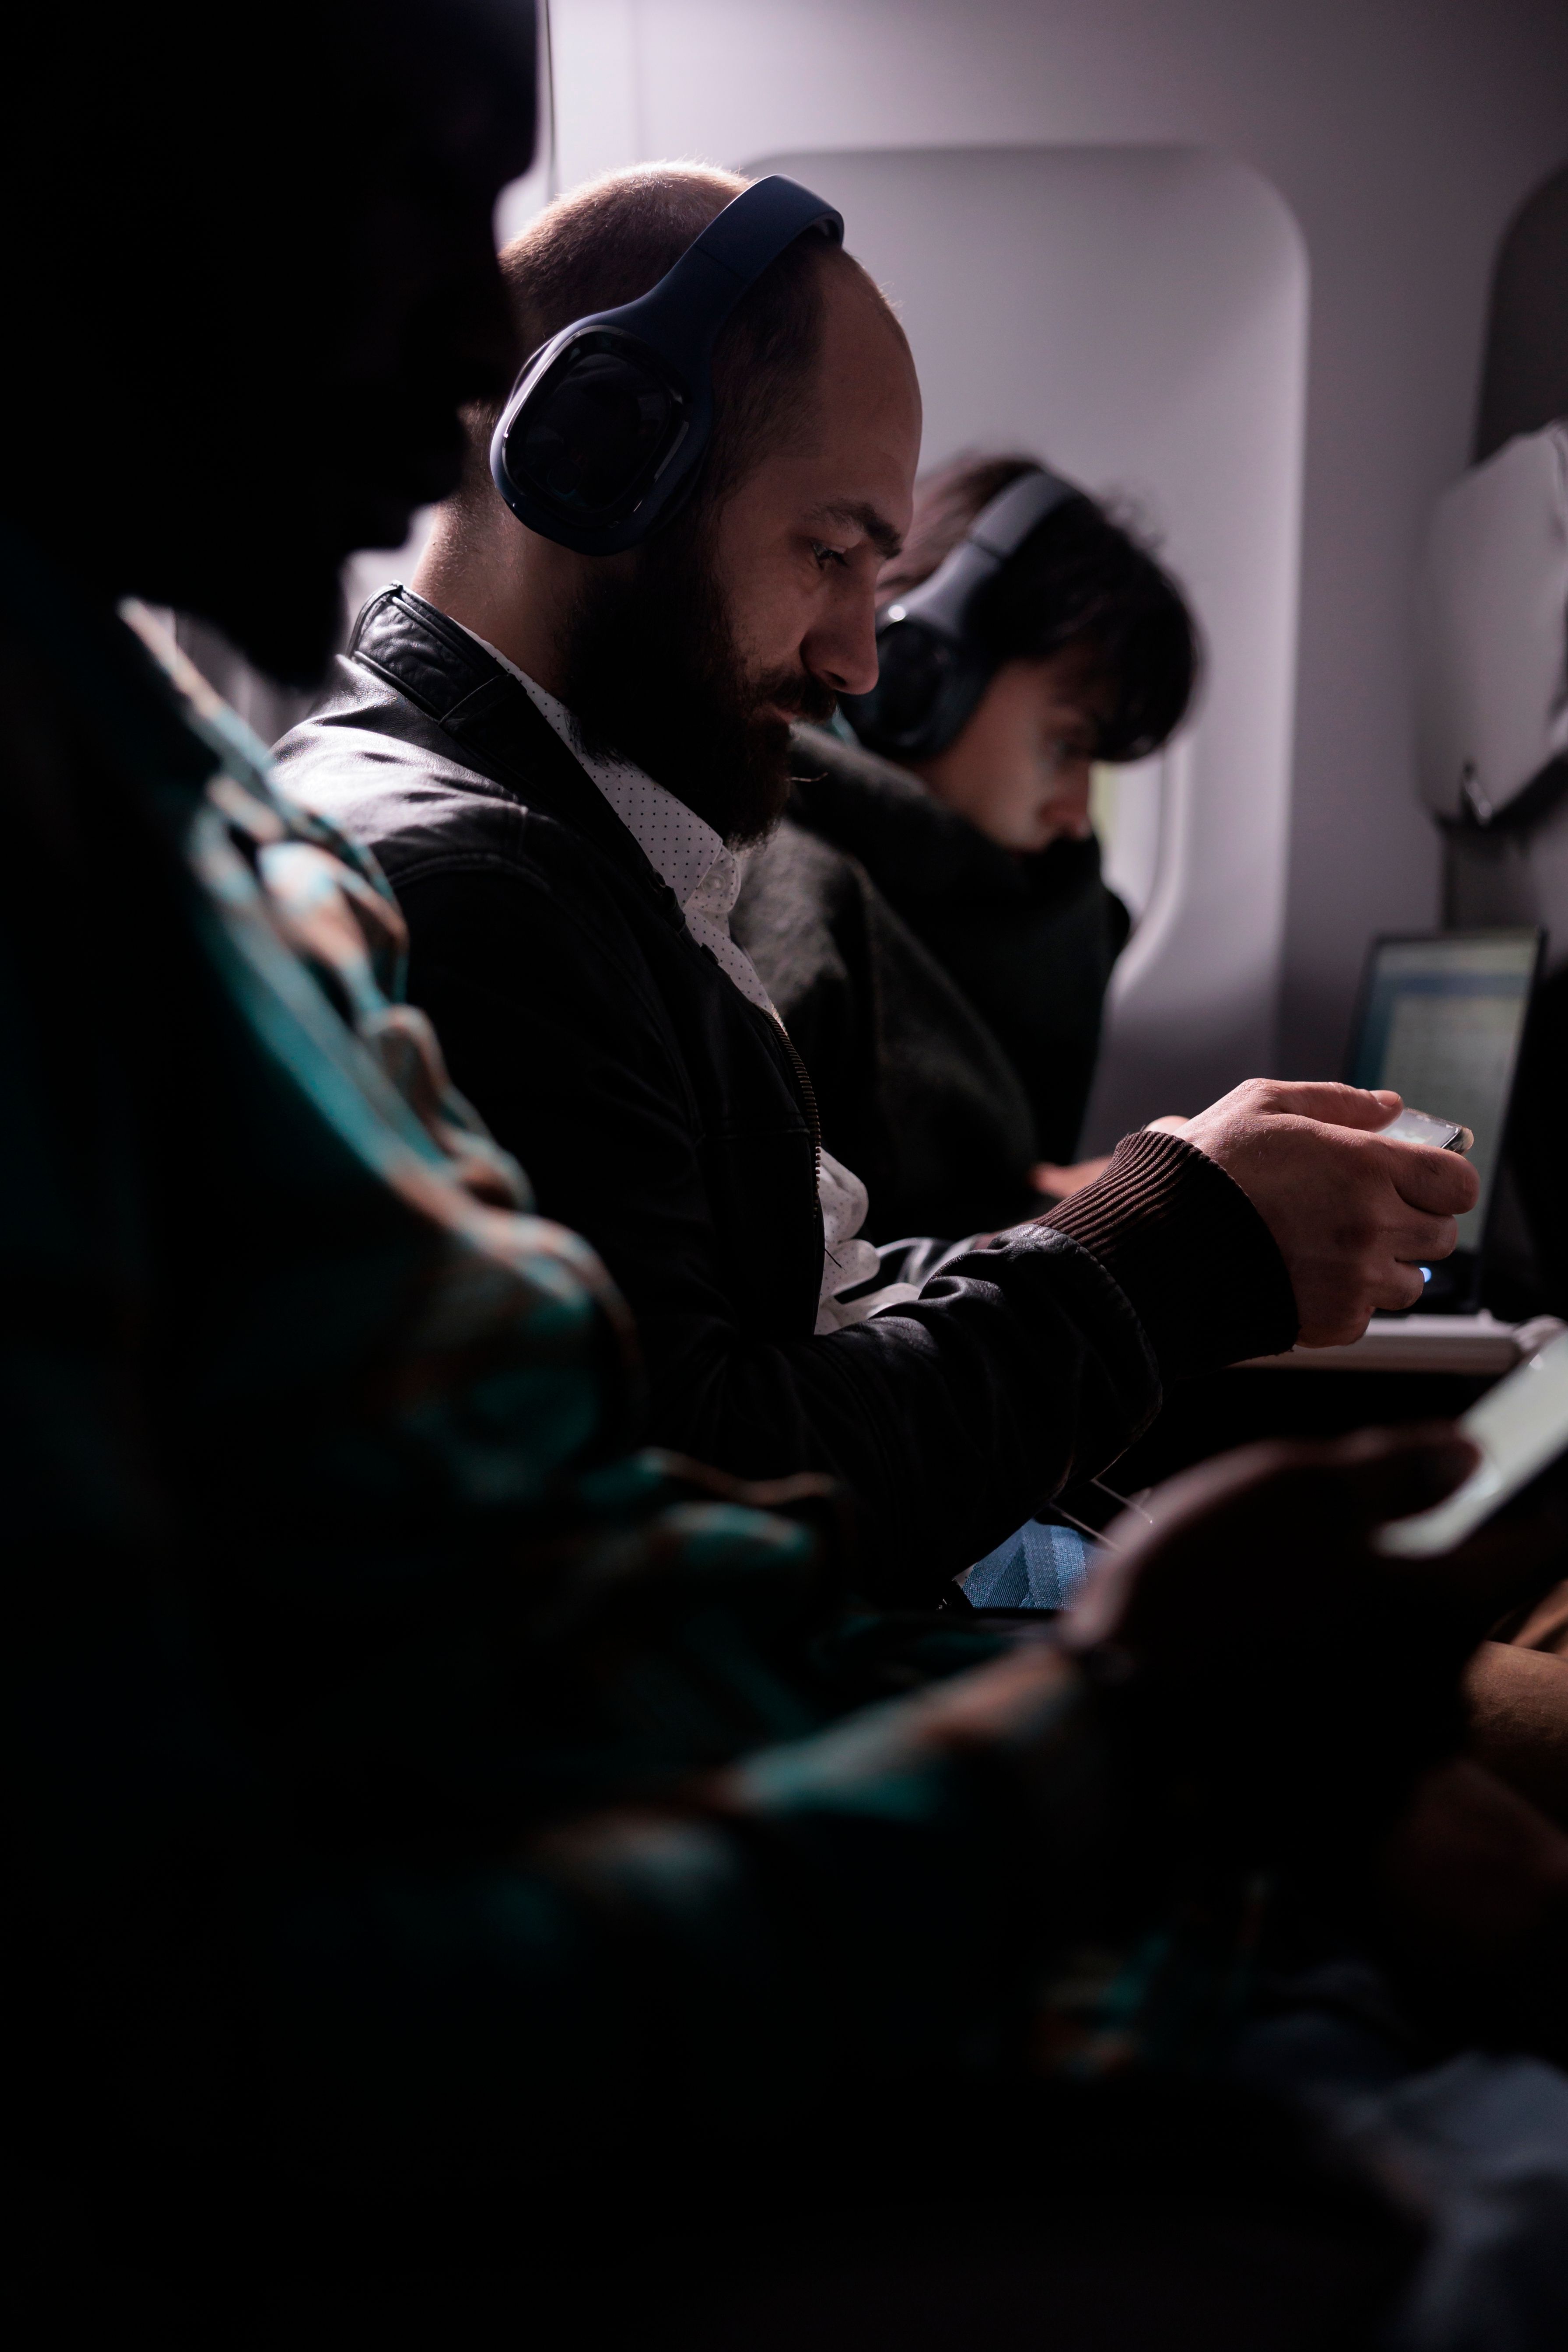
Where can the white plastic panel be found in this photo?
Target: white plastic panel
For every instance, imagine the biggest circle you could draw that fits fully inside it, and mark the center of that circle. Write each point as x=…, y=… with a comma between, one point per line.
x=1491, y=670
x=1125, y=806
x=1137, y=315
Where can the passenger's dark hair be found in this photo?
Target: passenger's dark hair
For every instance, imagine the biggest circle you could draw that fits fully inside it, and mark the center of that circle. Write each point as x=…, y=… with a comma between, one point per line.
x=611, y=241
x=1081, y=579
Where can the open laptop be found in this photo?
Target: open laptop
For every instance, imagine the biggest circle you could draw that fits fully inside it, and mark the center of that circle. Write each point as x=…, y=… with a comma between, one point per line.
x=1441, y=1018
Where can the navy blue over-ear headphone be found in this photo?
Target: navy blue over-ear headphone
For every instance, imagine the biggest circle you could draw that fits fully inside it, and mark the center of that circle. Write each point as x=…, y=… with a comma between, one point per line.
x=600, y=439
x=933, y=668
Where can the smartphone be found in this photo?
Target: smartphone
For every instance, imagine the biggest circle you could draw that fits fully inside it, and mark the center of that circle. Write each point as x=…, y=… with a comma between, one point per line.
x=1420, y=1126
x=1519, y=1426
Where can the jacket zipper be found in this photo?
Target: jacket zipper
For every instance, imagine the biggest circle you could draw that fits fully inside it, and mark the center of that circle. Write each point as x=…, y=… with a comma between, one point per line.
x=808, y=1095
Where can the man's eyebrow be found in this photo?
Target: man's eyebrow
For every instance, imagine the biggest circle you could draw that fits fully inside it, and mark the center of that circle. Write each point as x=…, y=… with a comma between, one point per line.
x=865, y=517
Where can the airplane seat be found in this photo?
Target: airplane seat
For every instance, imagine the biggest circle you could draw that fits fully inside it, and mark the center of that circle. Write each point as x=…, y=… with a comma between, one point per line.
x=1492, y=710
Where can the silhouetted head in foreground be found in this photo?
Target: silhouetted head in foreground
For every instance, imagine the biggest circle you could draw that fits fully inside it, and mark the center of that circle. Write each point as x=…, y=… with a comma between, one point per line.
x=253, y=280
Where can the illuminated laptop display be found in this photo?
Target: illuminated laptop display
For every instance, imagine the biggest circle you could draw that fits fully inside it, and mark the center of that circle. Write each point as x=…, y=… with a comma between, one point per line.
x=1441, y=1019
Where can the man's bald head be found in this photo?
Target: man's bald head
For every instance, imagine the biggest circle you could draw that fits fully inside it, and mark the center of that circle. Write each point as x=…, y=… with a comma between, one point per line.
x=611, y=241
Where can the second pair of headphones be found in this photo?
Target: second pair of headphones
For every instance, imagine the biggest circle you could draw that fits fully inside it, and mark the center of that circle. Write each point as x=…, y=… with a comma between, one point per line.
x=933, y=665
x=600, y=439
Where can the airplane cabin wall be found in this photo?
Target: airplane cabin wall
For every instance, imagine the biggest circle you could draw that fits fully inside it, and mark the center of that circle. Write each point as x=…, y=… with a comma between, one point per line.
x=1180, y=395
x=1401, y=134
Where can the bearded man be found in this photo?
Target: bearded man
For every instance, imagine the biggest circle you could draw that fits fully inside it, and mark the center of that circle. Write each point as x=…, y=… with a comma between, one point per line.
x=556, y=758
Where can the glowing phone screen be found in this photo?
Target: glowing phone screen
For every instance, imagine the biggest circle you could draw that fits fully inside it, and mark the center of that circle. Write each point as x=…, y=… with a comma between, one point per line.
x=1519, y=1426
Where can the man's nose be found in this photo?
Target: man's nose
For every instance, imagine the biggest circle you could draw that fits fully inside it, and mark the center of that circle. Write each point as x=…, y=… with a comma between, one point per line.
x=840, y=648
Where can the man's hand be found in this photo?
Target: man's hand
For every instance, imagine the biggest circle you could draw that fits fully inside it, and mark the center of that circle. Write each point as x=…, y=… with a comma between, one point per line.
x=1275, y=1689
x=1268, y=1547
x=1287, y=1682
x=1354, y=1218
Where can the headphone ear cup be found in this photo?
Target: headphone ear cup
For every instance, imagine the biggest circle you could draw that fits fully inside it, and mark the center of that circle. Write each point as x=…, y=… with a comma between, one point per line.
x=926, y=687
x=912, y=662
x=587, y=442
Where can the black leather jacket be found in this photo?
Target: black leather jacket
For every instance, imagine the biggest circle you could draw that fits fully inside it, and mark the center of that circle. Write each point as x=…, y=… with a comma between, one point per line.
x=660, y=1114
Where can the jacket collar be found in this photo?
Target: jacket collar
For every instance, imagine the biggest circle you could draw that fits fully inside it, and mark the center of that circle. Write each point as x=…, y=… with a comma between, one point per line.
x=447, y=674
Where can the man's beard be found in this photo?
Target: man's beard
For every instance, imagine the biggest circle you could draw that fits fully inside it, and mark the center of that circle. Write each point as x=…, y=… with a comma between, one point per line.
x=650, y=669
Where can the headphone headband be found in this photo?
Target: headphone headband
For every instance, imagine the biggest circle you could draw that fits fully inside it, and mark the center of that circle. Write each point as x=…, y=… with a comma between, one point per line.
x=755, y=226
x=992, y=539
x=608, y=423
x=934, y=670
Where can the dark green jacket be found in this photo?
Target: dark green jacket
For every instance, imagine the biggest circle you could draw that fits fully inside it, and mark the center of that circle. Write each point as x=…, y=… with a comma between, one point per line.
x=341, y=1627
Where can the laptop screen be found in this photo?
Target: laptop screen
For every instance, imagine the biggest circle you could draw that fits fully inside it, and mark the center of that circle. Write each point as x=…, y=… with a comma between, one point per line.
x=1441, y=1021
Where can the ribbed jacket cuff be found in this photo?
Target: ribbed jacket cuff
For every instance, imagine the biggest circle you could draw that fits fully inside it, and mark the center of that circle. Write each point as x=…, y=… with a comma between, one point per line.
x=1189, y=1250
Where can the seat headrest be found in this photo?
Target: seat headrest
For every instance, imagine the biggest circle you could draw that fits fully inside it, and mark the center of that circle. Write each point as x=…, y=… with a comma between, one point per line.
x=1493, y=630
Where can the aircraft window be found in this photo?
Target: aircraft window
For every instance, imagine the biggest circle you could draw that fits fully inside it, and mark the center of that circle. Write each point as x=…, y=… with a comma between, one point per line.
x=1124, y=806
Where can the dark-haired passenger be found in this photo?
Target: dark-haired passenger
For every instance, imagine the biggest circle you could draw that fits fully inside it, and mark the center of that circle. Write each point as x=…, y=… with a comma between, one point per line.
x=937, y=934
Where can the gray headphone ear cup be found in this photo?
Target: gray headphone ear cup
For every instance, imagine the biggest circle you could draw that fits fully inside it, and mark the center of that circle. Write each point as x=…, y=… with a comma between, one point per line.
x=963, y=691
x=927, y=686
x=934, y=670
